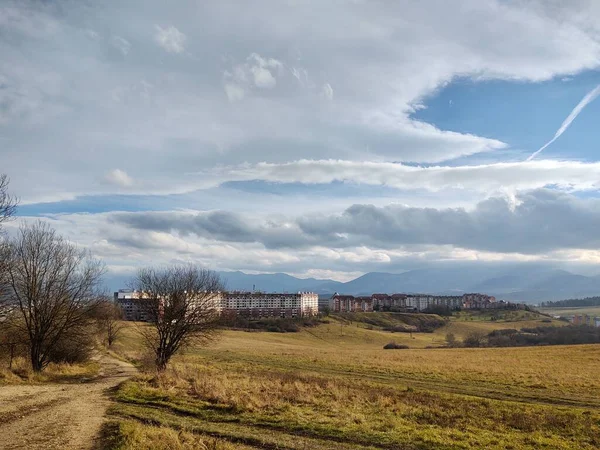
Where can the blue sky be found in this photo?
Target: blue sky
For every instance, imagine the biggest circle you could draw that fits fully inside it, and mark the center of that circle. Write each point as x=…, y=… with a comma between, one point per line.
x=524, y=115
x=317, y=139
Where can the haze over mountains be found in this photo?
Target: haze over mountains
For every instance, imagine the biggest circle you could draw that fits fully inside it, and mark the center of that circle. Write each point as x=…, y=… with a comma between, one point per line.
x=525, y=283
x=529, y=284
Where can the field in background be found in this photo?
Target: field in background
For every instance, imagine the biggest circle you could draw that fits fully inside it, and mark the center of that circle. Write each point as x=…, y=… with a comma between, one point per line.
x=334, y=387
x=589, y=310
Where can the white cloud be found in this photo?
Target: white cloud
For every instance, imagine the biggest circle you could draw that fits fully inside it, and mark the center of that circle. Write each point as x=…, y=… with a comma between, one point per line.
x=327, y=91
x=234, y=92
x=571, y=175
x=119, y=178
x=37, y=23
x=301, y=75
x=170, y=38
x=263, y=77
x=255, y=72
x=121, y=44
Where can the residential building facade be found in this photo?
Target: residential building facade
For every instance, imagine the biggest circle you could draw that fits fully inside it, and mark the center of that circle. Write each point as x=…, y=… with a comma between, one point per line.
x=585, y=319
x=260, y=304
x=412, y=302
x=132, y=304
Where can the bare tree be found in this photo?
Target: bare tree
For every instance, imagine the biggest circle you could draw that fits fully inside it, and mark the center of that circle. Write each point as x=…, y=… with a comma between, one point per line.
x=52, y=284
x=182, y=303
x=8, y=203
x=110, y=320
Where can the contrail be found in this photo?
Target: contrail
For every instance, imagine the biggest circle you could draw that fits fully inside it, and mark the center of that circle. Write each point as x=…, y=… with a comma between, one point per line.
x=589, y=97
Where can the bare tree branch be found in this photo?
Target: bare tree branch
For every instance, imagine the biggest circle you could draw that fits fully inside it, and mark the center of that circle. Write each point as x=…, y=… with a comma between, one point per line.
x=183, y=304
x=109, y=317
x=8, y=206
x=8, y=203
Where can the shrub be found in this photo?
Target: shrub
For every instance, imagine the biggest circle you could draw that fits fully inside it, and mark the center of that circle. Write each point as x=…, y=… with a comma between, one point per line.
x=13, y=344
x=73, y=348
x=394, y=346
x=475, y=339
x=451, y=340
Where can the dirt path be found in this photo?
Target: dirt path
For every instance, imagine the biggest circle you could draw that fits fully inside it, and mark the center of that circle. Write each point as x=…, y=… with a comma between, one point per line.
x=59, y=416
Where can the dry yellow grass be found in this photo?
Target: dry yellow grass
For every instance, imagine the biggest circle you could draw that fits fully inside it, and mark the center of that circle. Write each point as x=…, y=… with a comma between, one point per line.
x=136, y=436
x=21, y=372
x=351, y=411
x=559, y=370
x=335, y=387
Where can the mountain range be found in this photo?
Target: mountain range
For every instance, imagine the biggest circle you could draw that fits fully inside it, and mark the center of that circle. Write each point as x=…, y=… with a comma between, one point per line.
x=531, y=285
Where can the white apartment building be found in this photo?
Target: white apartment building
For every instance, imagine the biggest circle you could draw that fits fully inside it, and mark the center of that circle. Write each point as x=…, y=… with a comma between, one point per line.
x=418, y=302
x=421, y=302
x=261, y=304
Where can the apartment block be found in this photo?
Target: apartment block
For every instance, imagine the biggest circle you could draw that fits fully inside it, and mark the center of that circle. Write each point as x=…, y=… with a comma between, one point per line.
x=260, y=304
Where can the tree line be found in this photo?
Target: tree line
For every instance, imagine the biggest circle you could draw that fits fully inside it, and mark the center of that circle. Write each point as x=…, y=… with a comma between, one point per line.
x=573, y=302
x=53, y=306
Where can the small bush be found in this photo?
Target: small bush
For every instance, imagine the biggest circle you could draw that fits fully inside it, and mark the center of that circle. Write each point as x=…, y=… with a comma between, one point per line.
x=451, y=340
x=74, y=347
x=394, y=346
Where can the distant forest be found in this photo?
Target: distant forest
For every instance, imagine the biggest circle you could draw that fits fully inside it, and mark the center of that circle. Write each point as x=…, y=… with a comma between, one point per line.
x=574, y=302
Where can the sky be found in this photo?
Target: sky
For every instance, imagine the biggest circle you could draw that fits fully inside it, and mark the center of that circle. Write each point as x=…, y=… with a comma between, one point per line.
x=321, y=139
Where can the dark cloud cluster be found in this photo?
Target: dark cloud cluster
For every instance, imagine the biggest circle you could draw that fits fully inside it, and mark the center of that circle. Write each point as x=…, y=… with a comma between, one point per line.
x=532, y=223
x=222, y=226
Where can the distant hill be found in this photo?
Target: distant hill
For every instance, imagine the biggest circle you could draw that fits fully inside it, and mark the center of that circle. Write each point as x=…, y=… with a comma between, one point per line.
x=274, y=282
x=524, y=284
x=434, y=280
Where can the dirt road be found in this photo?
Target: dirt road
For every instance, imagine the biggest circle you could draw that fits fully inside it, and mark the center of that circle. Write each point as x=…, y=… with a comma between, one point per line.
x=59, y=416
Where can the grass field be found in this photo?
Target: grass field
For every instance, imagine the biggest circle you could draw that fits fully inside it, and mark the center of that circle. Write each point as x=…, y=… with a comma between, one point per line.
x=334, y=387
x=589, y=310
